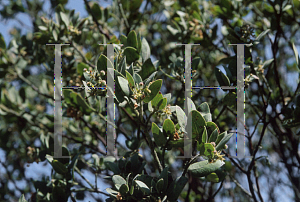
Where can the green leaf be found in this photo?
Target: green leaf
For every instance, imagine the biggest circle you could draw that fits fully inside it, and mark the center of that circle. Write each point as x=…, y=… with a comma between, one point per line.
x=132, y=39
x=220, y=137
x=139, y=43
x=204, y=108
x=205, y=112
x=22, y=198
x=159, y=138
x=67, y=95
x=59, y=167
x=176, y=188
x=223, y=141
x=204, y=135
x=155, y=88
x=80, y=68
x=181, y=117
x=2, y=42
x=83, y=106
x=122, y=66
x=143, y=186
x=65, y=152
x=150, y=108
x=164, y=176
x=177, y=143
x=221, y=172
x=113, y=167
x=168, y=128
x=172, y=30
x=124, y=189
x=118, y=181
x=145, y=50
x=147, y=69
x=123, y=40
x=212, y=177
x=64, y=18
x=209, y=150
x=222, y=78
x=162, y=104
x=156, y=100
x=296, y=55
x=198, y=123
x=102, y=63
x=261, y=35
x=230, y=99
x=133, y=143
x=168, y=96
x=200, y=147
x=150, y=78
x=267, y=63
x=97, y=12
x=145, y=178
x=232, y=66
x=214, y=135
x=111, y=191
x=160, y=185
x=137, y=78
x=131, y=190
x=130, y=79
x=131, y=54
x=228, y=73
x=43, y=28
x=159, y=102
x=135, y=5
x=59, y=194
x=203, y=168
x=124, y=85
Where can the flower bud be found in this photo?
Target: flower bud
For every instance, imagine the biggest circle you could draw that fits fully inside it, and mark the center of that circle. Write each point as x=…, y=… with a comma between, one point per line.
x=102, y=73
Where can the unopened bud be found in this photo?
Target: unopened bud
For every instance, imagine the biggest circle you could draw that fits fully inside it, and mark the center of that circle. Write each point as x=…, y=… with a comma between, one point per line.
x=102, y=73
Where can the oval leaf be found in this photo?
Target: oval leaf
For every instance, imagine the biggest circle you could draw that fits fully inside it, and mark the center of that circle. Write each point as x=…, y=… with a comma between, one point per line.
x=203, y=168
x=222, y=78
x=143, y=186
x=168, y=128
x=154, y=88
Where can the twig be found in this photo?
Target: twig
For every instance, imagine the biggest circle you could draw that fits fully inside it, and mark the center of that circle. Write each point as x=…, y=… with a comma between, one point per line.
x=240, y=186
x=81, y=54
x=95, y=20
x=123, y=14
x=78, y=171
x=141, y=16
x=189, y=163
x=90, y=190
x=33, y=86
x=221, y=185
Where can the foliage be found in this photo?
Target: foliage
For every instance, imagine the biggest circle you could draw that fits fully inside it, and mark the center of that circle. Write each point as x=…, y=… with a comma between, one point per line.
x=149, y=99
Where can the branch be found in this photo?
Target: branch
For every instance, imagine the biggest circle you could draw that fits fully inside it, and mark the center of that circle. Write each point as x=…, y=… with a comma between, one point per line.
x=95, y=20
x=81, y=54
x=32, y=85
